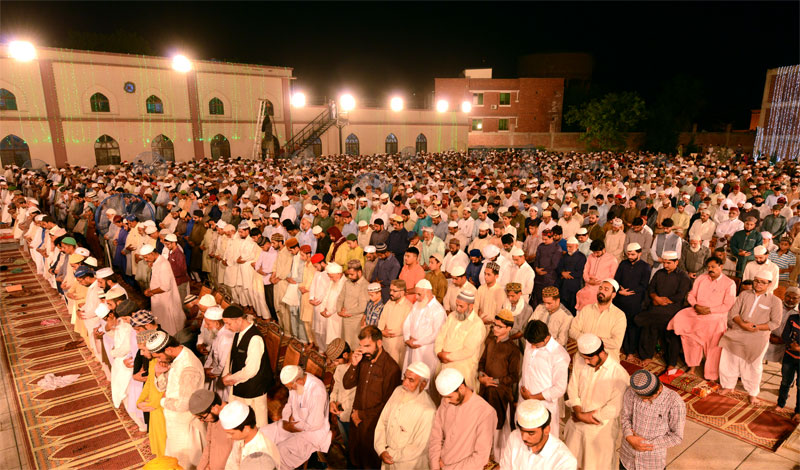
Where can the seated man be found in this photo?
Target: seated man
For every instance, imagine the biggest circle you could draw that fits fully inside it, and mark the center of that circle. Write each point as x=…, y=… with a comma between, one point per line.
x=305, y=428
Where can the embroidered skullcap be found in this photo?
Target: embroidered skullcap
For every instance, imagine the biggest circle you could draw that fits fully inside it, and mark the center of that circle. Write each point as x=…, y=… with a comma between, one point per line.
x=513, y=287
x=476, y=253
x=484, y=226
x=150, y=230
x=532, y=414
x=290, y=373
x=644, y=383
x=792, y=290
x=213, y=313
x=233, y=311
x=589, y=343
x=143, y=336
x=146, y=250
x=142, y=318
x=84, y=271
x=466, y=295
x=517, y=251
x=457, y=271
x=572, y=241
x=157, y=342
x=333, y=268
x=582, y=231
x=374, y=287
x=233, y=414
x=316, y=230
x=207, y=300
x=83, y=252
x=277, y=237
x=424, y=284
x=306, y=249
x=670, y=255
x=291, y=243
x=505, y=315
x=335, y=348
x=493, y=266
x=201, y=400
x=369, y=249
x=550, y=291
x=421, y=369
x=448, y=381
x=759, y=250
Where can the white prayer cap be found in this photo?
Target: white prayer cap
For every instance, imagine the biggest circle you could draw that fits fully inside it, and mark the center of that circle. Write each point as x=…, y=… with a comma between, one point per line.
x=145, y=250
x=233, y=414
x=83, y=252
x=39, y=218
x=157, y=342
x=448, y=381
x=582, y=231
x=427, y=229
x=316, y=230
x=104, y=273
x=616, y=222
x=116, y=292
x=572, y=241
x=424, y=284
x=766, y=235
x=362, y=223
x=589, y=343
x=490, y=251
x=290, y=373
x=369, y=249
x=374, y=287
x=568, y=209
x=457, y=271
x=764, y=274
x=222, y=224
x=670, y=255
x=111, y=212
x=102, y=310
x=759, y=250
x=57, y=231
x=748, y=206
x=531, y=414
x=421, y=369
x=517, y=251
x=613, y=283
x=91, y=261
x=207, y=300
x=171, y=238
x=484, y=226
x=453, y=224
x=213, y=313
x=150, y=230
x=633, y=247
x=333, y=268
x=695, y=236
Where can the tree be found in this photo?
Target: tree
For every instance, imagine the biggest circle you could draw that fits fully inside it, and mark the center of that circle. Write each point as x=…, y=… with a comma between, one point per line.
x=679, y=103
x=608, y=119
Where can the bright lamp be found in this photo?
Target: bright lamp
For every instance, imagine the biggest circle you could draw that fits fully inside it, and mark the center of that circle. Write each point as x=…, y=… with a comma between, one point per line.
x=442, y=105
x=181, y=63
x=22, y=51
x=347, y=102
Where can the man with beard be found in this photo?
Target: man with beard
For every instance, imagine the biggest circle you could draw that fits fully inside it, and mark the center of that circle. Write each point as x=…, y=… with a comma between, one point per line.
x=280, y=279
x=701, y=325
x=776, y=348
x=762, y=263
x=595, y=392
x=641, y=235
x=532, y=446
x=206, y=405
x=703, y=228
x=600, y=265
x=462, y=429
x=392, y=318
x=665, y=296
x=482, y=237
x=632, y=275
x=195, y=242
x=352, y=302
x=220, y=351
x=374, y=375
x=404, y=426
x=548, y=254
x=250, y=373
x=498, y=374
x=664, y=242
x=458, y=344
x=570, y=274
x=458, y=280
x=754, y=314
x=743, y=243
x=178, y=375
x=603, y=319
x=386, y=270
x=545, y=366
x=693, y=257
x=397, y=241
x=304, y=427
x=166, y=303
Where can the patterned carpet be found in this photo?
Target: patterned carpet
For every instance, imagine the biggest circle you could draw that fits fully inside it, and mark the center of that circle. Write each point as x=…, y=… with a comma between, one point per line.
x=71, y=427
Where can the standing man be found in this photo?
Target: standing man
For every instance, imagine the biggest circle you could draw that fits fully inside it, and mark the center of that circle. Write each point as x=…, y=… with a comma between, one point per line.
x=602, y=319
x=178, y=374
x=219, y=354
x=548, y=254
x=754, y=314
x=743, y=243
x=165, y=301
x=374, y=375
x=652, y=420
x=570, y=274
x=632, y=275
x=304, y=427
x=533, y=446
x=421, y=327
x=701, y=325
x=595, y=396
x=461, y=437
x=458, y=344
x=391, y=321
x=177, y=261
x=352, y=302
x=249, y=373
x=665, y=296
x=205, y=405
x=404, y=426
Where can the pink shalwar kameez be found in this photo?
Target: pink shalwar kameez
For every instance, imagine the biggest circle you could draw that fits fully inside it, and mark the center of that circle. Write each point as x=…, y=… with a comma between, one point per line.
x=602, y=267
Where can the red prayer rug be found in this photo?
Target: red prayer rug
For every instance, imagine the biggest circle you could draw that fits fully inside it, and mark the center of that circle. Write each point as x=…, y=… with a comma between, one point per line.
x=71, y=427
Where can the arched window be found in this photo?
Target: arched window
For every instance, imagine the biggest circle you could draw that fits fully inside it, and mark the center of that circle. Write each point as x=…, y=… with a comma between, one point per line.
x=422, y=144
x=8, y=102
x=14, y=151
x=154, y=105
x=391, y=144
x=220, y=147
x=351, y=145
x=106, y=151
x=164, y=147
x=100, y=103
x=215, y=106
x=316, y=147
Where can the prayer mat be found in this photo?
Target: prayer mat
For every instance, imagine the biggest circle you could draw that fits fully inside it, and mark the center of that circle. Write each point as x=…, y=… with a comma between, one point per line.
x=71, y=427
x=732, y=414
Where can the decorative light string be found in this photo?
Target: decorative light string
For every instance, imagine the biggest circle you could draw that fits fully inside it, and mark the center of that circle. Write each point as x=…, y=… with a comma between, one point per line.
x=781, y=135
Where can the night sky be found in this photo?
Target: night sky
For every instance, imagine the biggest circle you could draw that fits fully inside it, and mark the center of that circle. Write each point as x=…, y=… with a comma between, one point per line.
x=377, y=49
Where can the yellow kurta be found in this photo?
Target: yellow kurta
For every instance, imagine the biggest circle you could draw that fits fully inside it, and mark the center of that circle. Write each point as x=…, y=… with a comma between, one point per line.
x=463, y=341
x=157, y=427
x=393, y=316
x=404, y=428
x=609, y=326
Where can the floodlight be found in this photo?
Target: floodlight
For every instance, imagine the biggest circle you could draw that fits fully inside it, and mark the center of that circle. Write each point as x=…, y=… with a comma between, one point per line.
x=466, y=107
x=442, y=105
x=181, y=63
x=22, y=51
x=396, y=104
x=298, y=99
x=347, y=102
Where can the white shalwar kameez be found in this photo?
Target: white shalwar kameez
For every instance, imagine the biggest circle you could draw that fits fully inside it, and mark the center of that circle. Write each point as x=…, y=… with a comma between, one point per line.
x=333, y=324
x=404, y=428
x=546, y=370
x=554, y=455
x=167, y=307
x=318, y=291
x=423, y=324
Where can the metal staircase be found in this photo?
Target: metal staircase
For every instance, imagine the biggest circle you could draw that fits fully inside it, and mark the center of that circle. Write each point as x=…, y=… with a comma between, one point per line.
x=307, y=135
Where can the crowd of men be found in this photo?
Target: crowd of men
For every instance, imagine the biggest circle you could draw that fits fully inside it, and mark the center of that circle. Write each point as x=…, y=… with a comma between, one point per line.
x=444, y=291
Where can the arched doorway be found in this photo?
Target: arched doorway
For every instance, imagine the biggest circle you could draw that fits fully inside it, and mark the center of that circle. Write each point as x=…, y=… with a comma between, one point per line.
x=422, y=144
x=391, y=144
x=351, y=146
x=220, y=147
x=106, y=151
x=164, y=146
x=14, y=151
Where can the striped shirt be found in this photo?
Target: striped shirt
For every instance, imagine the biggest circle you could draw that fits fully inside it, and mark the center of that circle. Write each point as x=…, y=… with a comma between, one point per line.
x=783, y=261
x=373, y=313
